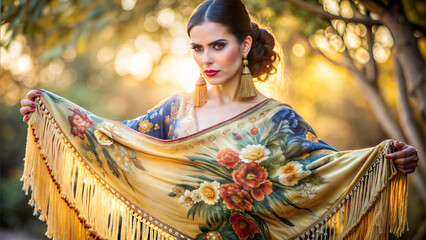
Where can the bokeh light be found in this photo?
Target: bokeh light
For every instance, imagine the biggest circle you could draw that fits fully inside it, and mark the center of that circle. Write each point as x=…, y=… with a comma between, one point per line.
x=298, y=50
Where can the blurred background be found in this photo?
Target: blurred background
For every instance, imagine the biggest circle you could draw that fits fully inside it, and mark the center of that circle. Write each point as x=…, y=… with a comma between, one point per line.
x=354, y=70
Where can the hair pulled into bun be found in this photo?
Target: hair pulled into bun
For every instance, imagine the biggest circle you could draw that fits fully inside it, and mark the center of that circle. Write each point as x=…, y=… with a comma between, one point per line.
x=262, y=56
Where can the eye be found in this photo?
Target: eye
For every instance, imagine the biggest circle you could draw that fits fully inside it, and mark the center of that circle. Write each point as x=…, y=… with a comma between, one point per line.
x=197, y=48
x=219, y=46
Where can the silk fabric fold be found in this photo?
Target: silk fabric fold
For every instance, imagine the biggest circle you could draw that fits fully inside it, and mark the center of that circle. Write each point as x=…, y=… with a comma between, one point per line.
x=263, y=174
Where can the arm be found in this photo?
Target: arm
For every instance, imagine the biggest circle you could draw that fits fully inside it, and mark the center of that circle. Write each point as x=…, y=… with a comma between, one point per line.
x=157, y=121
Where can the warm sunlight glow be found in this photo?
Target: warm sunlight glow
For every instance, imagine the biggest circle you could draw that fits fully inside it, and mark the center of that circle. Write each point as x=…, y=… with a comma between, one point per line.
x=144, y=43
x=380, y=53
x=352, y=40
x=140, y=65
x=150, y=24
x=22, y=65
x=384, y=37
x=181, y=70
x=166, y=17
x=346, y=9
x=339, y=25
x=331, y=6
x=128, y=4
x=298, y=50
x=105, y=54
x=70, y=54
x=362, y=55
x=180, y=46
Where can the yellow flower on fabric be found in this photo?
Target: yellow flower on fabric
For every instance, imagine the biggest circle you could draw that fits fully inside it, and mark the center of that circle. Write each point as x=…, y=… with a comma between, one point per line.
x=291, y=173
x=311, y=137
x=254, y=153
x=179, y=191
x=289, y=180
x=290, y=168
x=145, y=126
x=252, y=119
x=210, y=192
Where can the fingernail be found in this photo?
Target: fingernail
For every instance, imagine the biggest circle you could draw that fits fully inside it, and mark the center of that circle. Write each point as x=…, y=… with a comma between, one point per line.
x=38, y=92
x=32, y=108
x=387, y=156
x=33, y=104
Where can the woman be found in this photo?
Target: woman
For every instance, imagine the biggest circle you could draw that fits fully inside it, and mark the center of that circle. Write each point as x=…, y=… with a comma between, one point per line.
x=224, y=42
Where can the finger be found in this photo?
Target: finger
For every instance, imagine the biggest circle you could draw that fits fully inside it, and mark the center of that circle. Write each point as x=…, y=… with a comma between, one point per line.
x=407, y=166
x=402, y=153
x=28, y=103
x=406, y=160
x=26, y=110
x=26, y=118
x=31, y=95
x=407, y=171
x=399, y=145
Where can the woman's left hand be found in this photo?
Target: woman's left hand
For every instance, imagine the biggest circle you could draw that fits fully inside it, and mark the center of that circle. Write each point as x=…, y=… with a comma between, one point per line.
x=405, y=158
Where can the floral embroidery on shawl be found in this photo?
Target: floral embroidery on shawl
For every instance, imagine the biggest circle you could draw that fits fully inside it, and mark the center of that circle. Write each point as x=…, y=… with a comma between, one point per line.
x=261, y=175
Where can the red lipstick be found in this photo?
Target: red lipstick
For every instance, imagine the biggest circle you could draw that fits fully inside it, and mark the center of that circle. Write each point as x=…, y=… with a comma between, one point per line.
x=211, y=73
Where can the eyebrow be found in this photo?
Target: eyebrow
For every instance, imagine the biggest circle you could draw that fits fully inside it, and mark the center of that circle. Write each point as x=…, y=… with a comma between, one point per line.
x=219, y=40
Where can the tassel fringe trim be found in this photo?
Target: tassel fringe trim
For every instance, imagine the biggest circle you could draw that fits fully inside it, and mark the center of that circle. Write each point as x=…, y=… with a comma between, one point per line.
x=74, y=201
x=77, y=204
x=376, y=203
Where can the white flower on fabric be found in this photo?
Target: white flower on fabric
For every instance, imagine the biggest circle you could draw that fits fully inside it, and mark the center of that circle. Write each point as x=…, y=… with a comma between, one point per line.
x=291, y=173
x=186, y=198
x=308, y=191
x=210, y=192
x=195, y=195
x=254, y=153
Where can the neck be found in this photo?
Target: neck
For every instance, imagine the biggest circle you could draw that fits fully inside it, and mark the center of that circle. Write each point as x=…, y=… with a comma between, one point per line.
x=227, y=92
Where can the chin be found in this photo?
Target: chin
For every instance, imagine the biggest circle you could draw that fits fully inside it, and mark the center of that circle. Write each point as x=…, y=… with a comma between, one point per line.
x=215, y=81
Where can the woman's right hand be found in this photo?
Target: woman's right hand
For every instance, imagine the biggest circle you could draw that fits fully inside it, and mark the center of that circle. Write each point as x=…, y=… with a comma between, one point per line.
x=28, y=104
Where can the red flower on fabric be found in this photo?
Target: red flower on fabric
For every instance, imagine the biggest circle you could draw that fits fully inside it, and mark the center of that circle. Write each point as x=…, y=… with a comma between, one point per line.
x=260, y=192
x=228, y=157
x=250, y=175
x=254, y=131
x=235, y=198
x=243, y=226
x=79, y=121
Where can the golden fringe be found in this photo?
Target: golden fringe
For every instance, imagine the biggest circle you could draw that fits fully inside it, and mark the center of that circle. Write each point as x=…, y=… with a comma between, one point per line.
x=69, y=196
x=376, y=204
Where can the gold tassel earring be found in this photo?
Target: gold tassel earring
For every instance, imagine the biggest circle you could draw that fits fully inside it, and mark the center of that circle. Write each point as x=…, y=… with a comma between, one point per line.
x=246, y=88
x=200, y=93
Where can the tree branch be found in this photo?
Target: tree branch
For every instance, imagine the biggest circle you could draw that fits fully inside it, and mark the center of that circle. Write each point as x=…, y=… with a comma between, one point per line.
x=327, y=16
x=374, y=6
x=371, y=71
x=355, y=9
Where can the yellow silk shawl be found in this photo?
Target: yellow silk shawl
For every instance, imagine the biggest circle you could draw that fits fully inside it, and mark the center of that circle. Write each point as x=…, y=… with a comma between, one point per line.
x=263, y=174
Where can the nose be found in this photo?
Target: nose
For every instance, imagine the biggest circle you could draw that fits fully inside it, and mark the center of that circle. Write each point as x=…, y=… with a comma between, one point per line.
x=207, y=58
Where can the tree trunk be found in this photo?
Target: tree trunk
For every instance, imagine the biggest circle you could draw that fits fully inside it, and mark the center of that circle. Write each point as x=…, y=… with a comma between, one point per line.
x=406, y=49
x=408, y=122
x=380, y=108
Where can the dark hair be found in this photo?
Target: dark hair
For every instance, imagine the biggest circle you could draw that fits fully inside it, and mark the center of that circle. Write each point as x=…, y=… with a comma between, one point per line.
x=234, y=16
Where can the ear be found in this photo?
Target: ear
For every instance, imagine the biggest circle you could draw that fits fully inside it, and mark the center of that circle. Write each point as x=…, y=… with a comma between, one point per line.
x=246, y=45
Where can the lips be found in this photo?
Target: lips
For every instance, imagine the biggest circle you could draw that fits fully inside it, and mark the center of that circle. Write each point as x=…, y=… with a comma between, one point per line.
x=211, y=73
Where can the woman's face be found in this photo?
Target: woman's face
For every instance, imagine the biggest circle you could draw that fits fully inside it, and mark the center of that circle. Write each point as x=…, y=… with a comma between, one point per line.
x=217, y=52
